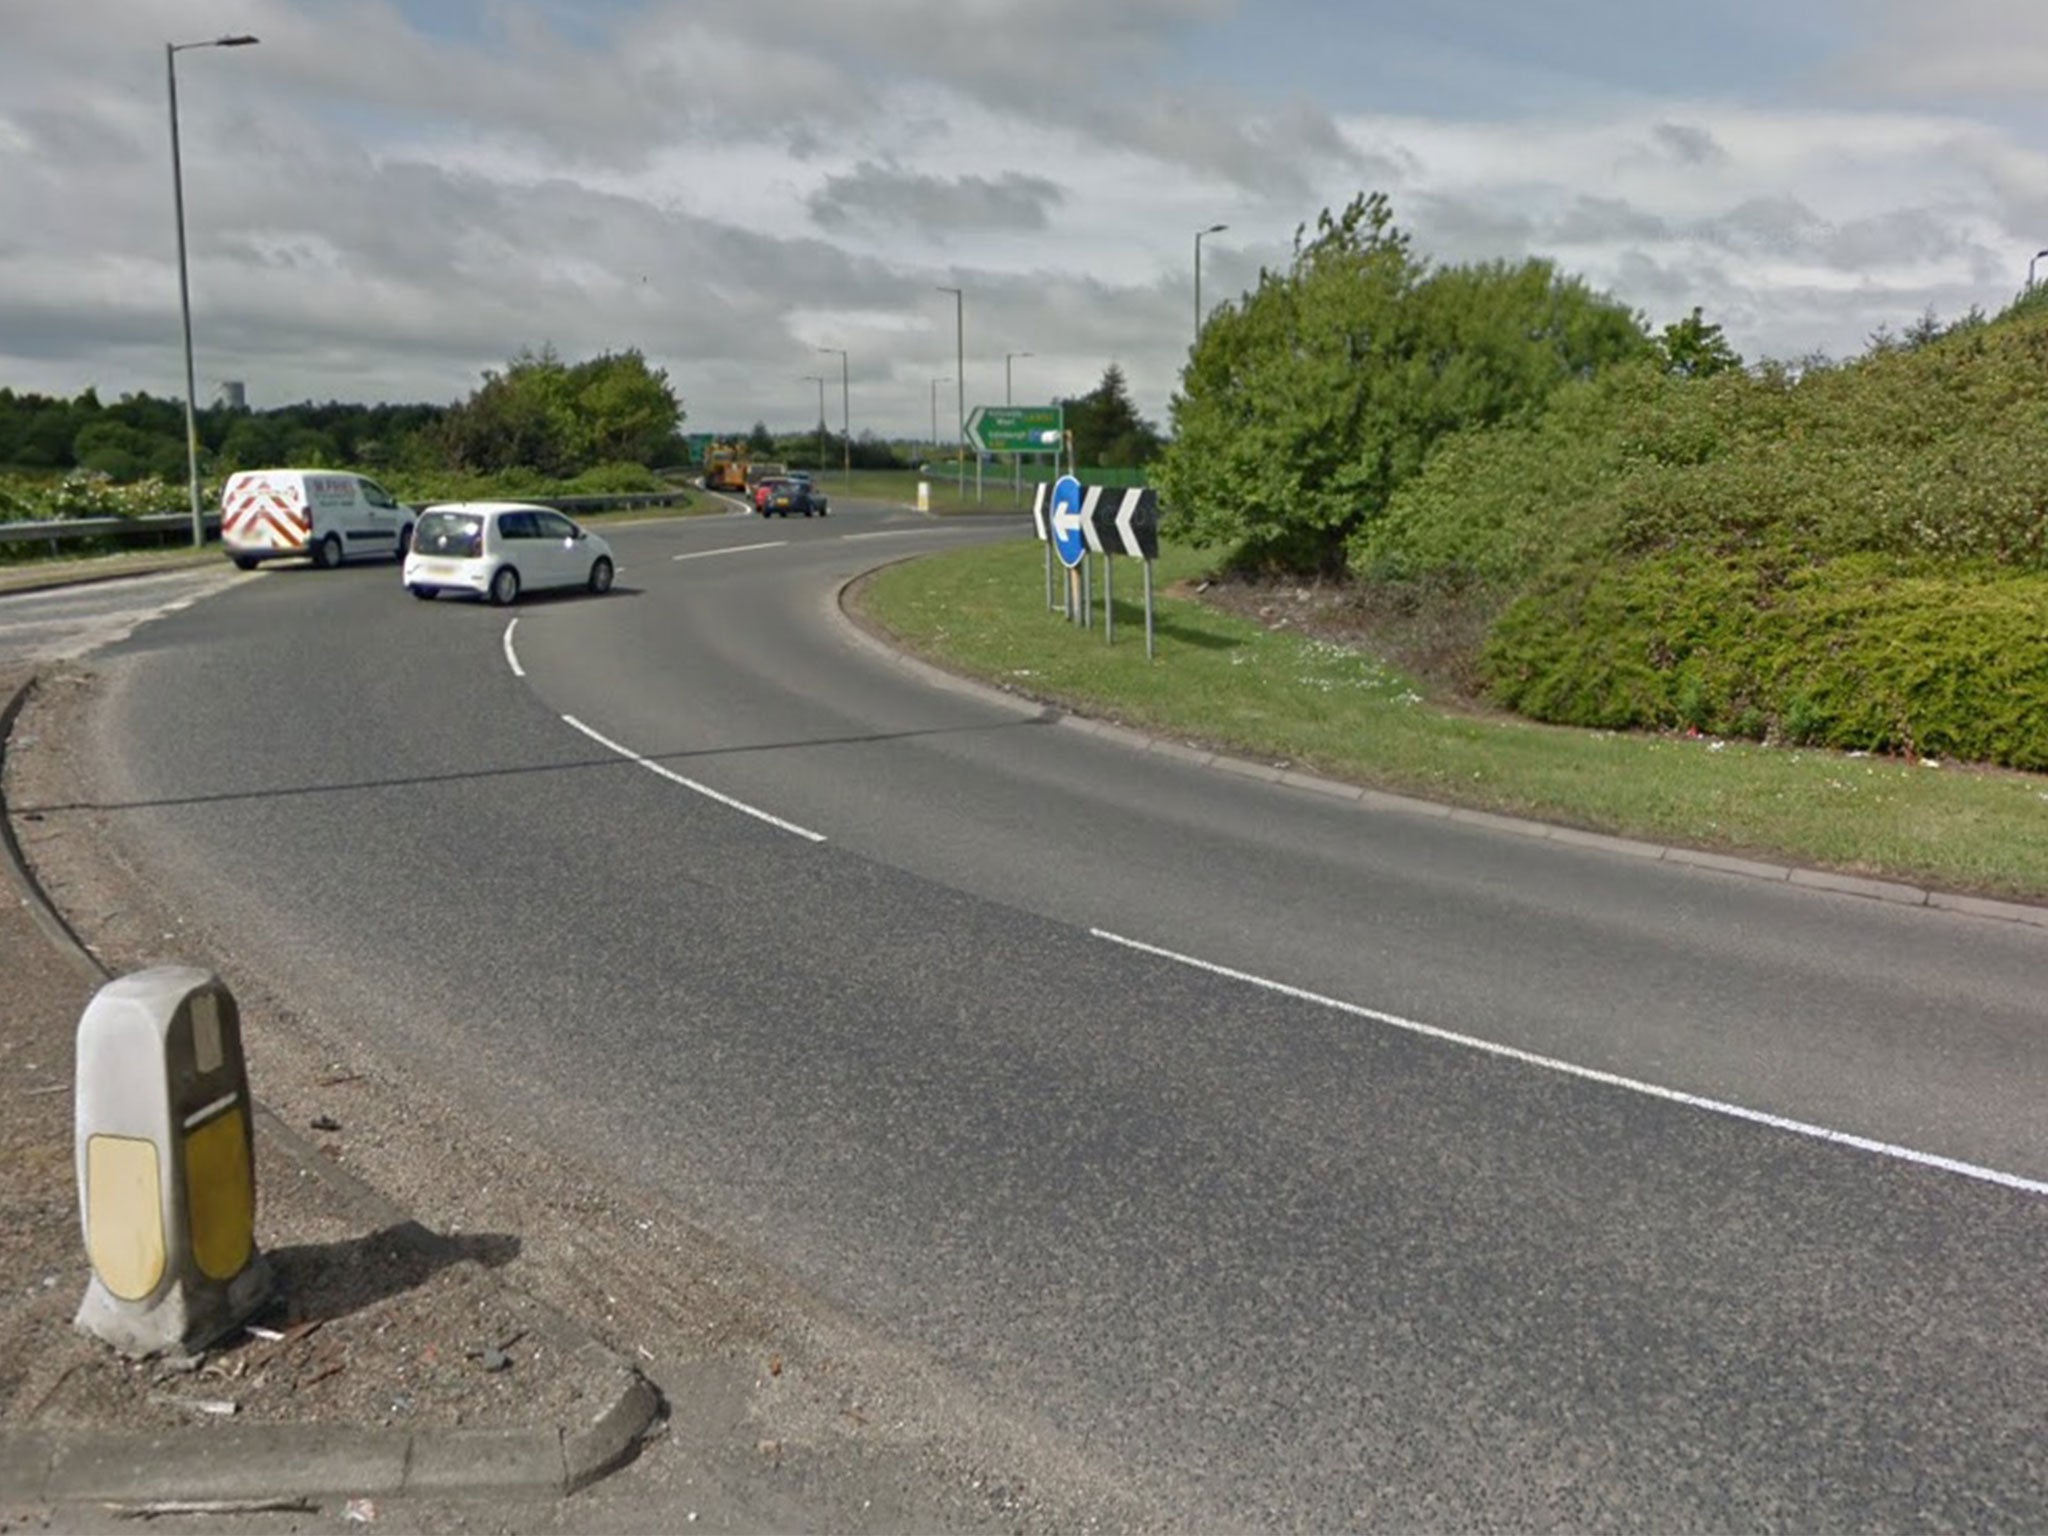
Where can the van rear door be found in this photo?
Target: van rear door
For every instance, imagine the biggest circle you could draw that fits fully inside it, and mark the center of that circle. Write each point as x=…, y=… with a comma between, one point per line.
x=265, y=513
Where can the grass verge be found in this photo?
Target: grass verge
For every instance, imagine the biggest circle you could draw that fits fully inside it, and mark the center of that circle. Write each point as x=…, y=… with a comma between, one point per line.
x=999, y=492
x=1284, y=697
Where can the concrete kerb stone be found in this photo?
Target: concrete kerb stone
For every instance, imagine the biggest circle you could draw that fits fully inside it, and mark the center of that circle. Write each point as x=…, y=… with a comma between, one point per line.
x=611, y=1436
x=1851, y=885
x=1382, y=800
x=40, y=910
x=285, y=1460
x=237, y=1461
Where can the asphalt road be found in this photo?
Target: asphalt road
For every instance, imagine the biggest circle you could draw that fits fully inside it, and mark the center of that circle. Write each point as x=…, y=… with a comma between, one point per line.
x=832, y=959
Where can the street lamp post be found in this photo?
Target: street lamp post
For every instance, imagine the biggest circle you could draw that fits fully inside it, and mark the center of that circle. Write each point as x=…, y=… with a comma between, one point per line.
x=2030, y=268
x=812, y=378
x=171, y=52
x=935, y=411
x=845, y=418
x=1213, y=229
x=960, y=384
x=1016, y=459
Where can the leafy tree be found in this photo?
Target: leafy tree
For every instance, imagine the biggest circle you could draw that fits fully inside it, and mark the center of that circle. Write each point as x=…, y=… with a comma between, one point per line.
x=520, y=417
x=548, y=416
x=1693, y=348
x=629, y=412
x=760, y=440
x=122, y=452
x=1308, y=403
x=1107, y=427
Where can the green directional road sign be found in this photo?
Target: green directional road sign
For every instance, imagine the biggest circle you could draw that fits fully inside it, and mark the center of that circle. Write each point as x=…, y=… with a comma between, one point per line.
x=1016, y=428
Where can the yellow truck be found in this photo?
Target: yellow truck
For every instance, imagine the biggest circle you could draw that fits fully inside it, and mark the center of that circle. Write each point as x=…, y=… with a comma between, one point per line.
x=725, y=467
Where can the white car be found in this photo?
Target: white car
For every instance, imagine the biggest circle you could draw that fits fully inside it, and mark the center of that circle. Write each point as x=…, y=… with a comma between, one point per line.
x=498, y=549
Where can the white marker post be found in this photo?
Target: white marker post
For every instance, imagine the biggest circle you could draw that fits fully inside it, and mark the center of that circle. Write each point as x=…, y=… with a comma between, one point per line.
x=166, y=1164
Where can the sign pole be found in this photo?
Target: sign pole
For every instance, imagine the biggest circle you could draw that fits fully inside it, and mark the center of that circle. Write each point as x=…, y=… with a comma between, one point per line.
x=1148, y=610
x=1049, y=604
x=1108, y=601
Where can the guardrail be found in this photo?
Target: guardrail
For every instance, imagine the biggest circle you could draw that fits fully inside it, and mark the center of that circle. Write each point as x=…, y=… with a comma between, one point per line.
x=159, y=527
x=168, y=527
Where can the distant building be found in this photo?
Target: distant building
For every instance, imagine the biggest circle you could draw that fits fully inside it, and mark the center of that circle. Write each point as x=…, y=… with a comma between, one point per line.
x=233, y=394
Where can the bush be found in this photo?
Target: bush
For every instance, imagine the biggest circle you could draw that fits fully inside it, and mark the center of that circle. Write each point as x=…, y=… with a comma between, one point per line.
x=1853, y=557
x=1857, y=654
x=25, y=499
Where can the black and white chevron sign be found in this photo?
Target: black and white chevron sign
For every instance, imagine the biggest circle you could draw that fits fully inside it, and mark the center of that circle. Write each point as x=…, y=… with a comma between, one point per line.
x=1113, y=521
x=1121, y=522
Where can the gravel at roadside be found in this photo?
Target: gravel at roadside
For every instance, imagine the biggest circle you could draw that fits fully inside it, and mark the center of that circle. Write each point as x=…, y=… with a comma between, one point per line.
x=378, y=1323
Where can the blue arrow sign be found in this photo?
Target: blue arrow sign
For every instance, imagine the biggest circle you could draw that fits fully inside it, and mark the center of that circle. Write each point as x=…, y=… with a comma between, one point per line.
x=1067, y=521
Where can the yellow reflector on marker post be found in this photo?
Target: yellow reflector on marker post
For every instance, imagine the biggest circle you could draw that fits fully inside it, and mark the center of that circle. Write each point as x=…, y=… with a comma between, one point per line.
x=222, y=1188
x=166, y=1168
x=124, y=1227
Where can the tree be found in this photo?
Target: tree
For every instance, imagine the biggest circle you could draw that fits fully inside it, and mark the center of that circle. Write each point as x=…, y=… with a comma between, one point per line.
x=544, y=415
x=760, y=440
x=1307, y=404
x=629, y=412
x=1106, y=426
x=1694, y=349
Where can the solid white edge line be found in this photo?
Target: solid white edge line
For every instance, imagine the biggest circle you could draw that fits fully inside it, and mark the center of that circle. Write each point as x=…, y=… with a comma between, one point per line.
x=1594, y=1074
x=904, y=533
x=737, y=549
x=703, y=789
x=512, y=656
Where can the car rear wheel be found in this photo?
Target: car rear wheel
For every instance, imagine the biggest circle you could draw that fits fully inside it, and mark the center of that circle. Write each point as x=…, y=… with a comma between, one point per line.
x=505, y=587
x=327, y=553
x=245, y=562
x=601, y=575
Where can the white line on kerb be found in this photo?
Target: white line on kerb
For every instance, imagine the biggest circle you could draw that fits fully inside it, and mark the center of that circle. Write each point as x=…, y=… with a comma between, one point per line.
x=703, y=789
x=1594, y=1075
x=737, y=549
x=901, y=533
x=512, y=656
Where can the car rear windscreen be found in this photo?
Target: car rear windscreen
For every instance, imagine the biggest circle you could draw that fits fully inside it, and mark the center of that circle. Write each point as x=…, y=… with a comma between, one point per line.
x=454, y=535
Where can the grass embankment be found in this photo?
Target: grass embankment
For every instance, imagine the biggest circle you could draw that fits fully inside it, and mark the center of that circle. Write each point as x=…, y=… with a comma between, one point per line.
x=1280, y=696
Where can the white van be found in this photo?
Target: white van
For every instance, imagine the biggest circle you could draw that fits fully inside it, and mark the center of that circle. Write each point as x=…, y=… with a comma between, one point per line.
x=328, y=514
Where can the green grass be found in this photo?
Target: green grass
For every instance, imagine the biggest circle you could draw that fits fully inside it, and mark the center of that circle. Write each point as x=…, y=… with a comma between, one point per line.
x=1284, y=698
x=998, y=494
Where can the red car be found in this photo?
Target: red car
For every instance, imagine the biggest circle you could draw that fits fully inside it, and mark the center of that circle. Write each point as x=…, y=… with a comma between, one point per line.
x=762, y=488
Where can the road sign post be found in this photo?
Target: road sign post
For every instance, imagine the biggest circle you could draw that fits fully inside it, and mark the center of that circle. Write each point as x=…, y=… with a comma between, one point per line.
x=1072, y=519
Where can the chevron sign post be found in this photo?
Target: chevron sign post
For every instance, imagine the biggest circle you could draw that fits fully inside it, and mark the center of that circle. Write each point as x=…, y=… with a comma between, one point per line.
x=1111, y=522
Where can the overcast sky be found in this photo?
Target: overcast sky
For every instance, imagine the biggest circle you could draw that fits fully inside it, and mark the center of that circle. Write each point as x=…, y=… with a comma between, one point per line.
x=386, y=197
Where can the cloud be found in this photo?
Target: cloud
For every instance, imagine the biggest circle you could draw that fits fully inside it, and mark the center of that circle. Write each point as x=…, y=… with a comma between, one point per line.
x=1689, y=145
x=381, y=207
x=938, y=205
x=1960, y=50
